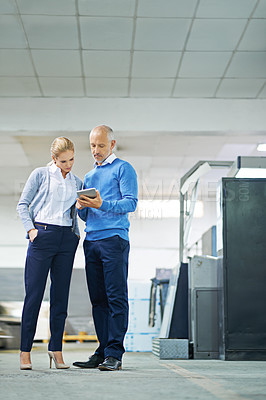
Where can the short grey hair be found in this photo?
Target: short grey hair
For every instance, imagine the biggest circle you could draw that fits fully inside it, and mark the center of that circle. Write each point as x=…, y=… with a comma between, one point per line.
x=107, y=129
x=110, y=134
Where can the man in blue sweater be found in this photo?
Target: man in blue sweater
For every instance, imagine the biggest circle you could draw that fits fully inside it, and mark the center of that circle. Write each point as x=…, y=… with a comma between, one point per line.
x=106, y=247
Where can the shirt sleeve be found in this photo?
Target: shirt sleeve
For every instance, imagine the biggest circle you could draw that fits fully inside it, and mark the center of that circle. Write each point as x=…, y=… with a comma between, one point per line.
x=128, y=186
x=84, y=212
x=30, y=189
x=75, y=210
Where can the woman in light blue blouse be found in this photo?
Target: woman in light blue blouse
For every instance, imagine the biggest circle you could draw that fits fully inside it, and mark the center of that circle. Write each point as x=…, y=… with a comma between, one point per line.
x=48, y=213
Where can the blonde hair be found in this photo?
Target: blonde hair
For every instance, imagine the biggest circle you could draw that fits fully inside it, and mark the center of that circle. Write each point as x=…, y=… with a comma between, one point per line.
x=60, y=145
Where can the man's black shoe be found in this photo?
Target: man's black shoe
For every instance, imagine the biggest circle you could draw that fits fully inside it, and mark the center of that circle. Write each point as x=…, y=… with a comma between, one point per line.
x=110, y=364
x=93, y=362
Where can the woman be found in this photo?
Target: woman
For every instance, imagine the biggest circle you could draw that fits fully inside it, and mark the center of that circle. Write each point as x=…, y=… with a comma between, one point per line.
x=47, y=210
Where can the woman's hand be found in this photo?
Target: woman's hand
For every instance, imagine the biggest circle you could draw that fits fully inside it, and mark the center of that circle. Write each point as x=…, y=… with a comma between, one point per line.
x=78, y=205
x=32, y=234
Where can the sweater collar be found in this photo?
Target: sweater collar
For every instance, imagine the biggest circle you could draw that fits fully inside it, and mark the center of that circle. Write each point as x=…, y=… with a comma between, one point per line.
x=108, y=160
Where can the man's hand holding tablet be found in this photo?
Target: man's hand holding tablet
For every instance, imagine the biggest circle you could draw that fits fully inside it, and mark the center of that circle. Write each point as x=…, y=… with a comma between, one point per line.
x=88, y=198
x=91, y=192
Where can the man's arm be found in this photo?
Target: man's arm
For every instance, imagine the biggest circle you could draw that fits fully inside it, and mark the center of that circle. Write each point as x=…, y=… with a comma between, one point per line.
x=128, y=188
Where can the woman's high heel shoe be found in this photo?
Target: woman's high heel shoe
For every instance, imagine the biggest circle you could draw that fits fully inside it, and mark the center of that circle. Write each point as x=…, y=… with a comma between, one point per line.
x=27, y=366
x=57, y=364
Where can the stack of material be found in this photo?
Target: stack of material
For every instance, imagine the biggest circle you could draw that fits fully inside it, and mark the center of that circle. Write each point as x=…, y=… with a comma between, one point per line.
x=140, y=334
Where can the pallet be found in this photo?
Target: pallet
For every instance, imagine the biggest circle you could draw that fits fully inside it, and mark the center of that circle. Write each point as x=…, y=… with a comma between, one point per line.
x=81, y=337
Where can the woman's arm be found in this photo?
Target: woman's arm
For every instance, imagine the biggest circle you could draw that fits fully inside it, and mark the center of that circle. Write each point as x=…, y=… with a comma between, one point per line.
x=30, y=189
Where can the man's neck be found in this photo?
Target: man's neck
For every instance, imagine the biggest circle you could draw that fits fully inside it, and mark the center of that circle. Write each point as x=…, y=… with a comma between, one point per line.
x=103, y=160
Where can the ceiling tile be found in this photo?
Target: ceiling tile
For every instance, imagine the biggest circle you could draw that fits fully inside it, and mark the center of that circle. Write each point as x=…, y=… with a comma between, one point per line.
x=8, y=7
x=248, y=65
x=11, y=32
x=19, y=87
x=15, y=63
x=115, y=8
x=204, y=64
x=262, y=94
x=188, y=162
x=260, y=10
x=131, y=145
x=106, y=63
x=155, y=64
x=166, y=8
x=225, y=8
x=222, y=34
x=151, y=87
x=104, y=87
x=18, y=158
x=178, y=147
x=255, y=36
x=57, y=62
x=51, y=32
x=195, y=87
x=163, y=173
x=106, y=33
x=47, y=7
x=248, y=139
x=240, y=88
x=208, y=149
x=161, y=33
x=230, y=151
x=7, y=139
x=62, y=87
x=167, y=162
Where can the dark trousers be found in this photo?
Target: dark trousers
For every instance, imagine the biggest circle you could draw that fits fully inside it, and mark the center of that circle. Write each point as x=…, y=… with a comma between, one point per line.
x=52, y=250
x=107, y=271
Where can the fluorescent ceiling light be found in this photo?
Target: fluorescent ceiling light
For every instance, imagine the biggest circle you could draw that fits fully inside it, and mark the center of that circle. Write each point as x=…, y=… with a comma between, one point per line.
x=261, y=147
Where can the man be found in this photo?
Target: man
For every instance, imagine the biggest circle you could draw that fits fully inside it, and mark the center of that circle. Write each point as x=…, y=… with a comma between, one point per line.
x=106, y=247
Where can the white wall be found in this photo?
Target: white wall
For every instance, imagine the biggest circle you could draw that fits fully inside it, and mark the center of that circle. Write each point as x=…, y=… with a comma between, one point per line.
x=155, y=242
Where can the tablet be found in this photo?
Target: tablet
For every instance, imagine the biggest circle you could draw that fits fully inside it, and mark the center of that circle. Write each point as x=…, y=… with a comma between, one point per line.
x=91, y=192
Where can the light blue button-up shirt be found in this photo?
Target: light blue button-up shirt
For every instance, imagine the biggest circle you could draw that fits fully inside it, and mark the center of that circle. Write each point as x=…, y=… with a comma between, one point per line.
x=34, y=197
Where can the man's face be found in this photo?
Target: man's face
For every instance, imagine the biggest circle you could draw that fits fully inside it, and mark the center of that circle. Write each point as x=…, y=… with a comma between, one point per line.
x=101, y=148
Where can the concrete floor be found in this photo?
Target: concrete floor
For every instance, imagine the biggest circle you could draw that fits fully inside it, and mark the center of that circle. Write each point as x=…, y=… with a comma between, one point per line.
x=143, y=376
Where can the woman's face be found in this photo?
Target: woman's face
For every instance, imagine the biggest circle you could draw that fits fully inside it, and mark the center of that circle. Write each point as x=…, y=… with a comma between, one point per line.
x=65, y=161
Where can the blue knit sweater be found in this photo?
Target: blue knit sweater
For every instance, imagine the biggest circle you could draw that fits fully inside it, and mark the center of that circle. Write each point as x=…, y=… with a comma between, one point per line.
x=117, y=184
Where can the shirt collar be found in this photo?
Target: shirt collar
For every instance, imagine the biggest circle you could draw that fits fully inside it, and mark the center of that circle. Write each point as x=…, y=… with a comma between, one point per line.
x=55, y=170
x=108, y=160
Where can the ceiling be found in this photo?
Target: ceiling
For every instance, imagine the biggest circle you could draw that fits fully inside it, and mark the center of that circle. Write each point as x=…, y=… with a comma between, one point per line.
x=133, y=48
x=160, y=160
x=113, y=51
